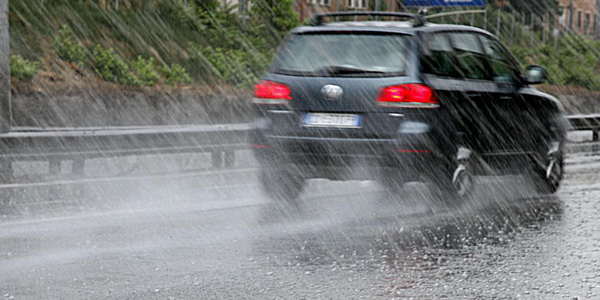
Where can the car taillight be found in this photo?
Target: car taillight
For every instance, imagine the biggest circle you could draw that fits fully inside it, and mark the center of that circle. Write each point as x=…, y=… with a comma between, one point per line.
x=270, y=92
x=412, y=95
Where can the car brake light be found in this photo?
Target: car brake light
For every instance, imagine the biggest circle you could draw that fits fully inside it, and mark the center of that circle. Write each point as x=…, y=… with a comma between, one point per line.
x=411, y=95
x=270, y=92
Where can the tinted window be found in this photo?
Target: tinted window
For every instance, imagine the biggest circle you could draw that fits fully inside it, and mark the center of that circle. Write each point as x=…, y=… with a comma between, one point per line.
x=503, y=67
x=342, y=54
x=439, y=57
x=455, y=55
x=470, y=58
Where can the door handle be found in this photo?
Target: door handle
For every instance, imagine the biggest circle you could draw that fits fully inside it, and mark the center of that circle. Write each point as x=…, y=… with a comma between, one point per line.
x=474, y=95
x=506, y=98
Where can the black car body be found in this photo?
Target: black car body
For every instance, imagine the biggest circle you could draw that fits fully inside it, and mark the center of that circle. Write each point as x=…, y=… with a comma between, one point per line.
x=402, y=101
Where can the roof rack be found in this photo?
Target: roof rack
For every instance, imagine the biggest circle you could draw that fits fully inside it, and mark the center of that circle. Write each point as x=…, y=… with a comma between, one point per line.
x=417, y=19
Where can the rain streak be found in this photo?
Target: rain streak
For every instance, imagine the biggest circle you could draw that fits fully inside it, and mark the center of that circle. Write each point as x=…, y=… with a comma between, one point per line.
x=299, y=149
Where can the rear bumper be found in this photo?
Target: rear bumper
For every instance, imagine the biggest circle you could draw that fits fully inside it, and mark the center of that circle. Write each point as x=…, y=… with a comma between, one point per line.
x=344, y=147
x=329, y=157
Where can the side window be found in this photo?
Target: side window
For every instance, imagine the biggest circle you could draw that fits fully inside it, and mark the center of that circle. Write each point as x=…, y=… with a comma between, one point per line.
x=470, y=58
x=438, y=59
x=503, y=68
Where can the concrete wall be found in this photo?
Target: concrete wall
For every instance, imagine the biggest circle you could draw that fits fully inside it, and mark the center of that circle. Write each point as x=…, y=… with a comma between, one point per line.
x=121, y=107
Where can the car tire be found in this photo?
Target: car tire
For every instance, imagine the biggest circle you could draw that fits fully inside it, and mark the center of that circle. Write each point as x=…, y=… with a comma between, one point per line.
x=547, y=176
x=280, y=185
x=455, y=182
x=456, y=185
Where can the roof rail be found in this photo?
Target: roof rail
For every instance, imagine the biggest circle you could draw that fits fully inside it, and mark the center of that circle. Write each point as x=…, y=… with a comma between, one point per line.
x=417, y=19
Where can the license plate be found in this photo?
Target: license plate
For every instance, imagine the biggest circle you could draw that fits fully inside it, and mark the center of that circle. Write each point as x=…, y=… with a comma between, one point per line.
x=332, y=120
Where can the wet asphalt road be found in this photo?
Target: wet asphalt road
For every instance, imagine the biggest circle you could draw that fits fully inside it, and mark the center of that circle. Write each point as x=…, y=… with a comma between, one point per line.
x=179, y=239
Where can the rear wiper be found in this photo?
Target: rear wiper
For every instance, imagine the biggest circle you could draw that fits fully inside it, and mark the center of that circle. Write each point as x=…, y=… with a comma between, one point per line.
x=332, y=71
x=292, y=72
x=342, y=70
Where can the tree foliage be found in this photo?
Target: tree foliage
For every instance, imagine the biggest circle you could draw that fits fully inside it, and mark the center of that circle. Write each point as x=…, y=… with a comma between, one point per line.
x=382, y=5
x=235, y=49
x=279, y=15
x=576, y=61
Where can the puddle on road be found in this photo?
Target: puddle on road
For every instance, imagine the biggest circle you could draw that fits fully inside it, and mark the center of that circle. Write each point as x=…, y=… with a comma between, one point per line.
x=347, y=225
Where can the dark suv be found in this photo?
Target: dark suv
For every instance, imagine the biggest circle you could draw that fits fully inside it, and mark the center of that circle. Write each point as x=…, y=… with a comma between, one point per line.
x=402, y=101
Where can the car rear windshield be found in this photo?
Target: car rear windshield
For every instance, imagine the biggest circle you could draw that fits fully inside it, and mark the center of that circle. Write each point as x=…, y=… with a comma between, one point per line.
x=343, y=55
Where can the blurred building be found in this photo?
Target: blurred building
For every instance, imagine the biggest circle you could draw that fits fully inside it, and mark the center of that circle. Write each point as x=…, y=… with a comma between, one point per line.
x=307, y=8
x=502, y=3
x=580, y=16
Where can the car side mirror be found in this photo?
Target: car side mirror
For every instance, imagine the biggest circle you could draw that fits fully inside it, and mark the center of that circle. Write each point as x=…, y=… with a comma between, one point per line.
x=536, y=75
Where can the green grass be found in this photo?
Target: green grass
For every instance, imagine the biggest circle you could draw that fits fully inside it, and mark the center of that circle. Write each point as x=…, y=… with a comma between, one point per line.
x=213, y=48
x=168, y=32
x=164, y=31
x=22, y=69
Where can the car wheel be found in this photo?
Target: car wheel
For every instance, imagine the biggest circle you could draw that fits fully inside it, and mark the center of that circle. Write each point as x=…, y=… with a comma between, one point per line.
x=547, y=175
x=282, y=186
x=455, y=182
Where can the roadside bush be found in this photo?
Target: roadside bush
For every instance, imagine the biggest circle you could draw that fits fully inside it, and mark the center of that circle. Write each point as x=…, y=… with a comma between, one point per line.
x=22, y=69
x=278, y=15
x=234, y=51
x=574, y=62
x=67, y=49
x=111, y=67
x=145, y=70
x=175, y=74
x=235, y=66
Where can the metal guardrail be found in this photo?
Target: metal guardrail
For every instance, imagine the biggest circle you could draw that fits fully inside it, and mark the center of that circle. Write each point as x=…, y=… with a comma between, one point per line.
x=78, y=144
x=586, y=122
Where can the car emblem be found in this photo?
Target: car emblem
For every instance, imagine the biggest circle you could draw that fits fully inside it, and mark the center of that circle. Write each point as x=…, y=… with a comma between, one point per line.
x=332, y=92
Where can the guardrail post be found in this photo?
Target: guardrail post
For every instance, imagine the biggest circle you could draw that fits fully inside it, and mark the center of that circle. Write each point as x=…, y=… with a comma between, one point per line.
x=5, y=104
x=6, y=171
x=78, y=166
x=229, y=158
x=54, y=168
x=217, y=159
x=596, y=139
